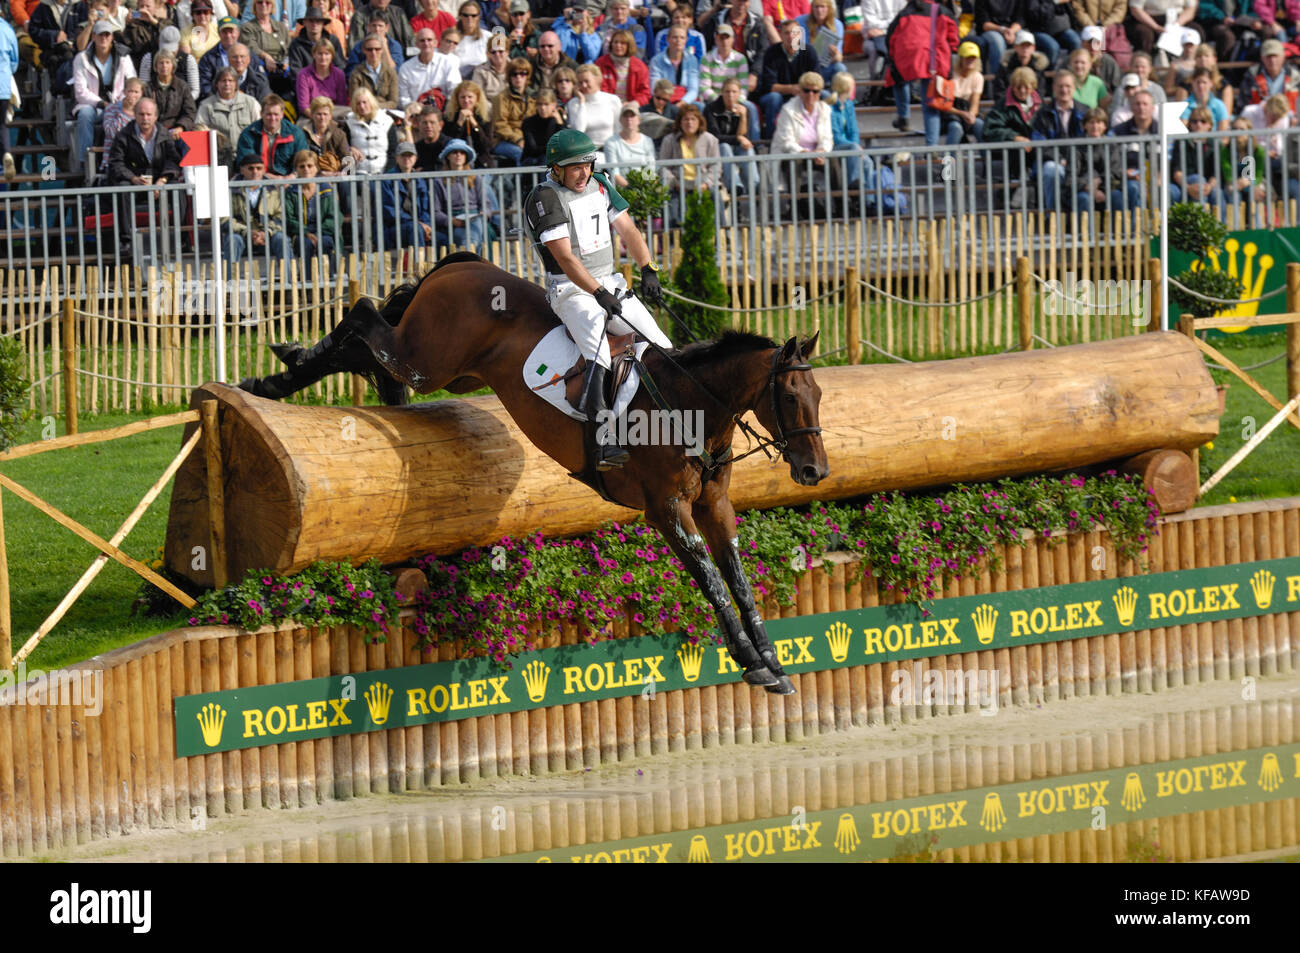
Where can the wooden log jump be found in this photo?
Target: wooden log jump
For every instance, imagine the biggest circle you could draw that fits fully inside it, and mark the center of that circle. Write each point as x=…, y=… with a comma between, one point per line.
x=306, y=483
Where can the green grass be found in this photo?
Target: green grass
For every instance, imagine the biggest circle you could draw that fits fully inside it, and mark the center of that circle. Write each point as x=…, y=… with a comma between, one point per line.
x=99, y=485
x=1273, y=468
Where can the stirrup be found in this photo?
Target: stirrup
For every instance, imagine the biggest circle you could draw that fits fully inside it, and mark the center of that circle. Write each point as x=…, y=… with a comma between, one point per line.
x=610, y=456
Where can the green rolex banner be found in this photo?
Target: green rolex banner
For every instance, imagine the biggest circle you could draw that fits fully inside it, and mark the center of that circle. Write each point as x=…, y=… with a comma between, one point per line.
x=449, y=691
x=1258, y=258
x=937, y=822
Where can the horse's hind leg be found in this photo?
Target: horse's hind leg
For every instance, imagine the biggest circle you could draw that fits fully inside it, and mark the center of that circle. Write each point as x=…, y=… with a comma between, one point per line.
x=679, y=532
x=342, y=350
x=717, y=520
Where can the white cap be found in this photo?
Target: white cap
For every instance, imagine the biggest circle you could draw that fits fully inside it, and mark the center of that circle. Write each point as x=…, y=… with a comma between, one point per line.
x=1094, y=32
x=1024, y=36
x=1190, y=36
x=1130, y=79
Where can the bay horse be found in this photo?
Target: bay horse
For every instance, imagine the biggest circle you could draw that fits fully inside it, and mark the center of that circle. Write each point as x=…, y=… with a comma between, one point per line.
x=467, y=323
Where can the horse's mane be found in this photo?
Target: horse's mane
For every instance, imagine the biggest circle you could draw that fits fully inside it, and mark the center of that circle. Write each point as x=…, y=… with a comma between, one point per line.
x=400, y=298
x=730, y=344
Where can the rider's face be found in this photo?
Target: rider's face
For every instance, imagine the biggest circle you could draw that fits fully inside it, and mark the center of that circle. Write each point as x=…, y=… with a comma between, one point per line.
x=575, y=176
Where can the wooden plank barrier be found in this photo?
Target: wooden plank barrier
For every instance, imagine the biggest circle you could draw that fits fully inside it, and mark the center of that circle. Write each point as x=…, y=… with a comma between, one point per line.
x=310, y=483
x=106, y=763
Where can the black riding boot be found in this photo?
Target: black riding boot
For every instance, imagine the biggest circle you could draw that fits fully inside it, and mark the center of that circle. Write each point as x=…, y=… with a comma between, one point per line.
x=592, y=402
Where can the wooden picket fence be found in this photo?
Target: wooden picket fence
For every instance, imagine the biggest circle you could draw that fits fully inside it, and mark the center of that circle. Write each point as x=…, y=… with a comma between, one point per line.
x=67, y=776
x=144, y=336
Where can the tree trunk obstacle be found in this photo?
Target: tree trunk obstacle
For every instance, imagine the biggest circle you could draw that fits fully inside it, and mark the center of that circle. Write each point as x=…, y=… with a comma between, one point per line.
x=307, y=483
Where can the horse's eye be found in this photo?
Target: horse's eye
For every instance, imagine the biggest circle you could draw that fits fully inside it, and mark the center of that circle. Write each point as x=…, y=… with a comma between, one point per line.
x=791, y=399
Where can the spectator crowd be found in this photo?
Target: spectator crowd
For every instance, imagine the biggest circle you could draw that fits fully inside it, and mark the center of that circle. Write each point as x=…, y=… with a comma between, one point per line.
x=421, y=85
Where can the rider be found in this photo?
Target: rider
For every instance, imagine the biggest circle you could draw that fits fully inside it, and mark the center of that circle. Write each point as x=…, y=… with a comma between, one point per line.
x=570, y=216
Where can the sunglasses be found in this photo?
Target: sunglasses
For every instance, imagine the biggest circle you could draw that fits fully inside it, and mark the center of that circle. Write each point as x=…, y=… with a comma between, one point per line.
x=808, y=89
x=470, y=16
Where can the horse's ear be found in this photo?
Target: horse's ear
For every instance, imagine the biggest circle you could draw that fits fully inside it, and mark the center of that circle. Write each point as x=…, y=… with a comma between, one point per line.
x=790, y=350
x=806, y=348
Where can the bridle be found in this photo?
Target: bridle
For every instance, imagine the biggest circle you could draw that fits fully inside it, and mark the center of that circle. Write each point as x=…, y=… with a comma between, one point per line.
x=763, y=443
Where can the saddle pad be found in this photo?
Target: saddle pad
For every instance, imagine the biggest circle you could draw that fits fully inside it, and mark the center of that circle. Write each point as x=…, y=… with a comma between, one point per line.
x=551, y=359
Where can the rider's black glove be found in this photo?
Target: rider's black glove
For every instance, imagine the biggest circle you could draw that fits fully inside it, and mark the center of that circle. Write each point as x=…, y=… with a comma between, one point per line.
x=606, y=299
x=651, y=290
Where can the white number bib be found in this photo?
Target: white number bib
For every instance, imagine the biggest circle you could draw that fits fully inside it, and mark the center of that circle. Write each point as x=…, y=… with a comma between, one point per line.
x=589, y=215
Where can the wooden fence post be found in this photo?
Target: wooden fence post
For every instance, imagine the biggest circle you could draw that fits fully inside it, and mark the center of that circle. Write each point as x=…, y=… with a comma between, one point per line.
x=1025, y=303
x=69, y=367
x=1153, y=293
x=1293, y=330
x=211, y=424
x=853, y=314
x=358, y=382
x=6, y=628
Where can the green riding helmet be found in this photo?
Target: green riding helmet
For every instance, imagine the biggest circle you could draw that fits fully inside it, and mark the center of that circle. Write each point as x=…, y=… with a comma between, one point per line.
x=570, y=147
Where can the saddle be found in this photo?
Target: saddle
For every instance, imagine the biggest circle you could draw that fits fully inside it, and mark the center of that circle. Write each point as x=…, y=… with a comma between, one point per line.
x=621, y=358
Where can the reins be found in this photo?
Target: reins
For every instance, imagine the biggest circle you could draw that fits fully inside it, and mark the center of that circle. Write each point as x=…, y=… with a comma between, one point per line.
x=763, y=443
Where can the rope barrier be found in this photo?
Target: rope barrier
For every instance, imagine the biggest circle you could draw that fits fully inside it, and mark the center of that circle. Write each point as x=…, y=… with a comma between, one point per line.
x=937, y=304
x=1264, y=297
x=1103, y=306
x=123, y=380
x=778, y=307
x=1251, y=367
x=138, y=323
x=1043, y=341
x=9, y=332
x=892, y=357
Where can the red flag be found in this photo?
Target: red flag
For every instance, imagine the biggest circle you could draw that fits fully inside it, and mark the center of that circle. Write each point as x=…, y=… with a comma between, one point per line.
x=198, y=147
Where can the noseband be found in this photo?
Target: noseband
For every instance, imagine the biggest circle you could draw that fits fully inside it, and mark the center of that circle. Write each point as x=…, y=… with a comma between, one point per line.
x=782, y=435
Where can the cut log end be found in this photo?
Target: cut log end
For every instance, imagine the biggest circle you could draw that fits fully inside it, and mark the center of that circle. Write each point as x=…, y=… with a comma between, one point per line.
x=1170, y=475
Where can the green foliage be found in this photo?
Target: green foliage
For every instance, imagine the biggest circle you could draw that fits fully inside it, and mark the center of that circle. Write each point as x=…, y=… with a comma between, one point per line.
x=645, y=193
x=1193, y=229
x=1204, y=281
x=13, y=392
x=697, y=276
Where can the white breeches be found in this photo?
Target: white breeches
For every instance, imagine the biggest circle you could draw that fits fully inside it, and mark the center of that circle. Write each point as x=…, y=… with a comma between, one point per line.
x=585, y=319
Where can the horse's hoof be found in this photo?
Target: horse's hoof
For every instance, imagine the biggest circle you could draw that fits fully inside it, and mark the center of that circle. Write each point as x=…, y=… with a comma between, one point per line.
x=289, y=353
x=759, y=676
x=783, y=686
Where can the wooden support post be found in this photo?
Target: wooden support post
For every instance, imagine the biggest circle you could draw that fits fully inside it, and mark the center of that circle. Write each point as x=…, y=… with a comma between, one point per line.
x=216, y=492
x=1293, y=329
x=6, y=628
x=69, y=367
x=852, y=314
x=1025, y=303
x=358, y=382
x=627, y=270
x=1153, y=293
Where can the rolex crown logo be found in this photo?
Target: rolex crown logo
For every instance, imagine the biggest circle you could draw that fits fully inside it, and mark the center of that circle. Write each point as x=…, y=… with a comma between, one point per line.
x=698, y=852
x=690, y=657
x=838, y=636
x=846, y=834
x=1261, y=584
x=986, y=623
x=1270, y=773
x=212, y=718
x=1126, y=600
x=1252, y=281
x=1134, y=798
x=993, y=816
x=536, y=673
x=378, y=697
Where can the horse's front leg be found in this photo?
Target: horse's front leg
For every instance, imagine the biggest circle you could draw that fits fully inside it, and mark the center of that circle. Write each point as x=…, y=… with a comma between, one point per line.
x=717, y=521
x=673, y=520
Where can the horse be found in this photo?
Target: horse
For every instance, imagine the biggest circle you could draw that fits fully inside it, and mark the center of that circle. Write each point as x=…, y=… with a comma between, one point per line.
x=467, y=323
